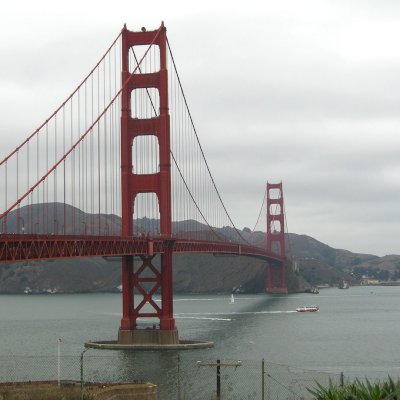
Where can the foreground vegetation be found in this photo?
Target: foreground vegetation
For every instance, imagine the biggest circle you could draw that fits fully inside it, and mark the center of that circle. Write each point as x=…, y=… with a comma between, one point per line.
x=389, y=390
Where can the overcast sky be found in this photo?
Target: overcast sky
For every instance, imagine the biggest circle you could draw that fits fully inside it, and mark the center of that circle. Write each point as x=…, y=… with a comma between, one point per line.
x=303, y=92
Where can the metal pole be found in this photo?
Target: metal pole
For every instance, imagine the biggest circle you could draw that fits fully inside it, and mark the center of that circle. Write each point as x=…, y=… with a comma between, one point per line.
x=218, y=379
x=58, y=362
x=262, y=380
x=218, y=364
x=341, y=379
x=179, y=377
x=83, y=352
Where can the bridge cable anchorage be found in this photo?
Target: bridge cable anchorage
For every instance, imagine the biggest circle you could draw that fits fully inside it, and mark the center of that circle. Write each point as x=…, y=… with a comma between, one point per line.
x=199, y=144
x=62, y=159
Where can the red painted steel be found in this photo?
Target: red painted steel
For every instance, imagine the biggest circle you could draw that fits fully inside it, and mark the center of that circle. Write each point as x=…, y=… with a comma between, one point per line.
x=42, y=247
x=276, y=237
x=134, y=184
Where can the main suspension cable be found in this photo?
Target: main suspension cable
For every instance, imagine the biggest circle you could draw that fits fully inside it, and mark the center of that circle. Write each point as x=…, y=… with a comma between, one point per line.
x=200, y=147
x=62, y=105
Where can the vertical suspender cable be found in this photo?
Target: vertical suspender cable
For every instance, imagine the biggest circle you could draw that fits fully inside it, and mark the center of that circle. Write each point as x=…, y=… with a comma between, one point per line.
x=54, y=196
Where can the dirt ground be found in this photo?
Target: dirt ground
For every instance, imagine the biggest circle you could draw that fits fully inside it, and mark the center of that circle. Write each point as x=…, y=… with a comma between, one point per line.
x=72, y=391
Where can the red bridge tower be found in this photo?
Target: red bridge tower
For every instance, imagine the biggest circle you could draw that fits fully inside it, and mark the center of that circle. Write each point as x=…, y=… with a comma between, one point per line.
x=276, y=237
x=145, y=279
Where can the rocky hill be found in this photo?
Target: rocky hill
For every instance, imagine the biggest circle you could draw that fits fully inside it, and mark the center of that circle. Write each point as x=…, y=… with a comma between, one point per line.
x=320, y=263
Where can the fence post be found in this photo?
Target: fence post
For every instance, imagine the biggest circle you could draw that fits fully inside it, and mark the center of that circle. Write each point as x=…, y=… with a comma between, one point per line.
x=179, y=377
x=263, y=380
x=218, y=379
x=83, y=352
x=59, y=341
x=341, y=379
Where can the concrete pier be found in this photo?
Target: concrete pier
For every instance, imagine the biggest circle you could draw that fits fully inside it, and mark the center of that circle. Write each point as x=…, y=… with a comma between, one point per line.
x=182, y=345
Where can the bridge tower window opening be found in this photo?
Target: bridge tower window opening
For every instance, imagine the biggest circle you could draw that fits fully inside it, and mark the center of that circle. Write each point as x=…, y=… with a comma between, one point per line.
x=146, y=214
x=145, y=155
x=275, y=209
x=276, y=227
x=145, y=103
x=275, y=193
x=144, y=59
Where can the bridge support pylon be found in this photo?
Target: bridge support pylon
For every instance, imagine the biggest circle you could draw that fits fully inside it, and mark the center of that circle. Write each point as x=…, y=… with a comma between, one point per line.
x=145, y=278
x=276, y=274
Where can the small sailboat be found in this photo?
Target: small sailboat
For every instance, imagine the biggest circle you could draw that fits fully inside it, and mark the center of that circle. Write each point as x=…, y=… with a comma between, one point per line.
x=344, y=285
x=232, y=299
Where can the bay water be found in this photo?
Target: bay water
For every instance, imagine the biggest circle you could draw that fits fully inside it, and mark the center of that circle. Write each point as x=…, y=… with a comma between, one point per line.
x=355, y=332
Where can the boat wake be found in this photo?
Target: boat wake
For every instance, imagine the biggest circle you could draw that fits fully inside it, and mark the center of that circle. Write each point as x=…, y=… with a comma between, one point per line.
x=213, y=299
x=202, y=299
x=238, y=313
x=177, y=316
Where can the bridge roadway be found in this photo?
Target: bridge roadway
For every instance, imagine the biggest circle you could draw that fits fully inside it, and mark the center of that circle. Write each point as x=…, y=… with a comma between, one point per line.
x=23, y=247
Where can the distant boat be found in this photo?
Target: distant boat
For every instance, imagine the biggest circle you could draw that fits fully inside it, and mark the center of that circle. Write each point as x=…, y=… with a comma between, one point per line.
x=232, y=299
x=308, y=309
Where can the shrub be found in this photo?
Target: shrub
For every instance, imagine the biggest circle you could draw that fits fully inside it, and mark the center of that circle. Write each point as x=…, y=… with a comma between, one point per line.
x=387, y=390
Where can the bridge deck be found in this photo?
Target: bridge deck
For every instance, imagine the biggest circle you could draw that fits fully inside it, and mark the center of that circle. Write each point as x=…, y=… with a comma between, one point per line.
x=17, y=247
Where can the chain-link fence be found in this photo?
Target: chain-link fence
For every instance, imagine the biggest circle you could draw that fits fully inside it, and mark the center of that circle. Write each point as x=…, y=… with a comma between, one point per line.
x=178, y=376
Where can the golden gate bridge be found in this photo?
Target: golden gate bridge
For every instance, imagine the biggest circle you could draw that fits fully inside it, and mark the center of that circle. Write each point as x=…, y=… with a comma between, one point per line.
x=118, y=170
